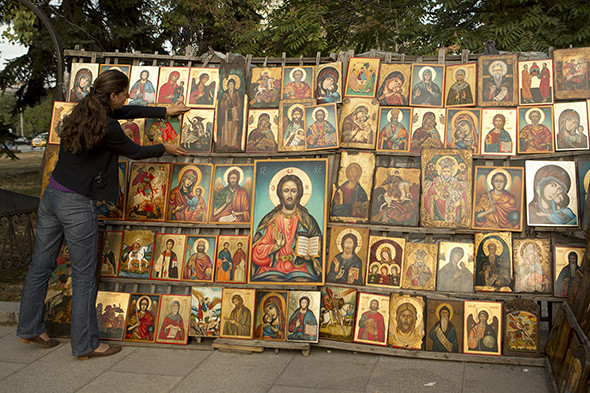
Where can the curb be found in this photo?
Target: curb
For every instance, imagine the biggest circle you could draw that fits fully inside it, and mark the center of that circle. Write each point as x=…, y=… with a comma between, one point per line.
x=9, y=312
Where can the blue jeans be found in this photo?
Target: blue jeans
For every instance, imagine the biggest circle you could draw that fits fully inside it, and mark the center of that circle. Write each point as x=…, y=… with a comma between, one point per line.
x=75, y=217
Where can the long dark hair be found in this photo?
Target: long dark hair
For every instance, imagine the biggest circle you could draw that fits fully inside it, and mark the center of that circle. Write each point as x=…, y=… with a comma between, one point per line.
x=85, y=127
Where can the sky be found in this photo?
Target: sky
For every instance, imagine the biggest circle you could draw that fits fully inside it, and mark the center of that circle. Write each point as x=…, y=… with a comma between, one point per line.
x=7, y=50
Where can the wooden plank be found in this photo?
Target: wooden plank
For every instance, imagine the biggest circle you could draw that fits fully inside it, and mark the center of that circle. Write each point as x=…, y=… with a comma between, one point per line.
x=550, y=378
x=455, y=357
x=575, y=326
x=262, y=343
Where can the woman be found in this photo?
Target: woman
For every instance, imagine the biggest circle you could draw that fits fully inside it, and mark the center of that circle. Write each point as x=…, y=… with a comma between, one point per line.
x=86, y=171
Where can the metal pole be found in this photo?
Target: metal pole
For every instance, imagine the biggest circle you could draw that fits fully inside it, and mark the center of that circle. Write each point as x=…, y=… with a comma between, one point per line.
x=56, y=43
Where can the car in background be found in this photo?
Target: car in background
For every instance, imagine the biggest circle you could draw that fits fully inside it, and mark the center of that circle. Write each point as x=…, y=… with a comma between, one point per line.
x=40, y=140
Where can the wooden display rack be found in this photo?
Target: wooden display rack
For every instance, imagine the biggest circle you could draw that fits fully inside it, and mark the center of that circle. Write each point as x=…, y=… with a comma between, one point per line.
x=229, y=344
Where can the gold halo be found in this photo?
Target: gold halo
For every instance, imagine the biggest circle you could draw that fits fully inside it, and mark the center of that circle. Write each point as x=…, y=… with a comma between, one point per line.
x=390, y=247
x=263, y=300
x=319, y=108
x=502, y=65
x=413, y=302
x=421, y=72
x=346, y=232
x=466, y=70
x=186, y=168
x=527, y=243
x=483, y=308
x=526, y=115
x=226, y=175
x=139, y=299
x=200, y=188
x=300, y=106
x=394, y=266
x=370, y=300
x=437, y=311
x=197, y=241
x=307, y=295
x=455, y=165
x=399, y=117
x=238, y=292
x=143, y=236
x=235, y=78
x=505, y=173
x=586, y=181
x=305, y=180
x=375, y=264
x=295, y=69
x=499, y=246
x=468, y=113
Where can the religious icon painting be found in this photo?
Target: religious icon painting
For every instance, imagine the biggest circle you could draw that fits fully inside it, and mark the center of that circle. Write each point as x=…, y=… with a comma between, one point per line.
x=49, y=160
x=205, y=311
x=521, y=328
x=263, y=129
x=498, y=132
x=198, y=258
x=82, y=76
x=231, y=258
x=419, y=266
x=463, y=129
x=482, y=330
x=428, y=129
x=493, y=262
x=136, y=253
x=372, y=319
x=358, y=123
x=60, y=111
x=406, y=321
x=337, y=313
x=571, y=78
x=230, y=132
x=584, y=182
x=204, y=86
x=497, y=80
x=271, y=314
x=142, y=315
x=321, y=130
x=446, y=191
x=189, y=196
x=163, y=130
x=455, y=267
x=384, y=266
x=460, y=85
x=303, y=314
x=497, y=198
x=197, y=130
x=577, y=371
x=232, y=194
x=350, y=196
x=289, y=222
x=361, y=78
x=394, y=128
x=567, y=365
x=58, y=302
x=168, y=257
x=265, y=87
x=427, y=85
x=571, y=126
x=124, y=68
x=107, y=210
x=535, y=129
x=394, y=84
x=111, y=312
x=535, y=82
x=444, y=326
x=348, y=255
x=134, y=129
x=328, y=83
x=146, y=197
x=111, y=253
x=558, y=340
x=567, y=261
x=174, y=319
x=297, y=83
x=552, y=193
x=172, y=85
x=142, y=85
x=532, y=266
x=292, y=125
x=581, y=302
x=237, y=307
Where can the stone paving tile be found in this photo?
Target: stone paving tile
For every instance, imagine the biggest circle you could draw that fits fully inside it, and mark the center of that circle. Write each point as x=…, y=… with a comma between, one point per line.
x=485, y=378
x=293, y=389
x=115, y=381
x=395, y=374
x=322, y=370
x=7, y=368
x=172, y=362
x=59, y=371
x=8, y=330
x=15, y=351
x=231, y=372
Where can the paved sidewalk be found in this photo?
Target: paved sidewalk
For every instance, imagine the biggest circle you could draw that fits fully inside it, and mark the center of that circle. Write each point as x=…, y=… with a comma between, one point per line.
x=30, y=368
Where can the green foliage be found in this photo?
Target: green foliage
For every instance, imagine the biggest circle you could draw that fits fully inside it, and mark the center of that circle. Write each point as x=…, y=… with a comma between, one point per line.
x=22, y=23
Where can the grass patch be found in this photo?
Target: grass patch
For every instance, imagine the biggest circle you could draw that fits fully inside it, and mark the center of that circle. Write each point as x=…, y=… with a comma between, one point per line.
x=22, y=175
